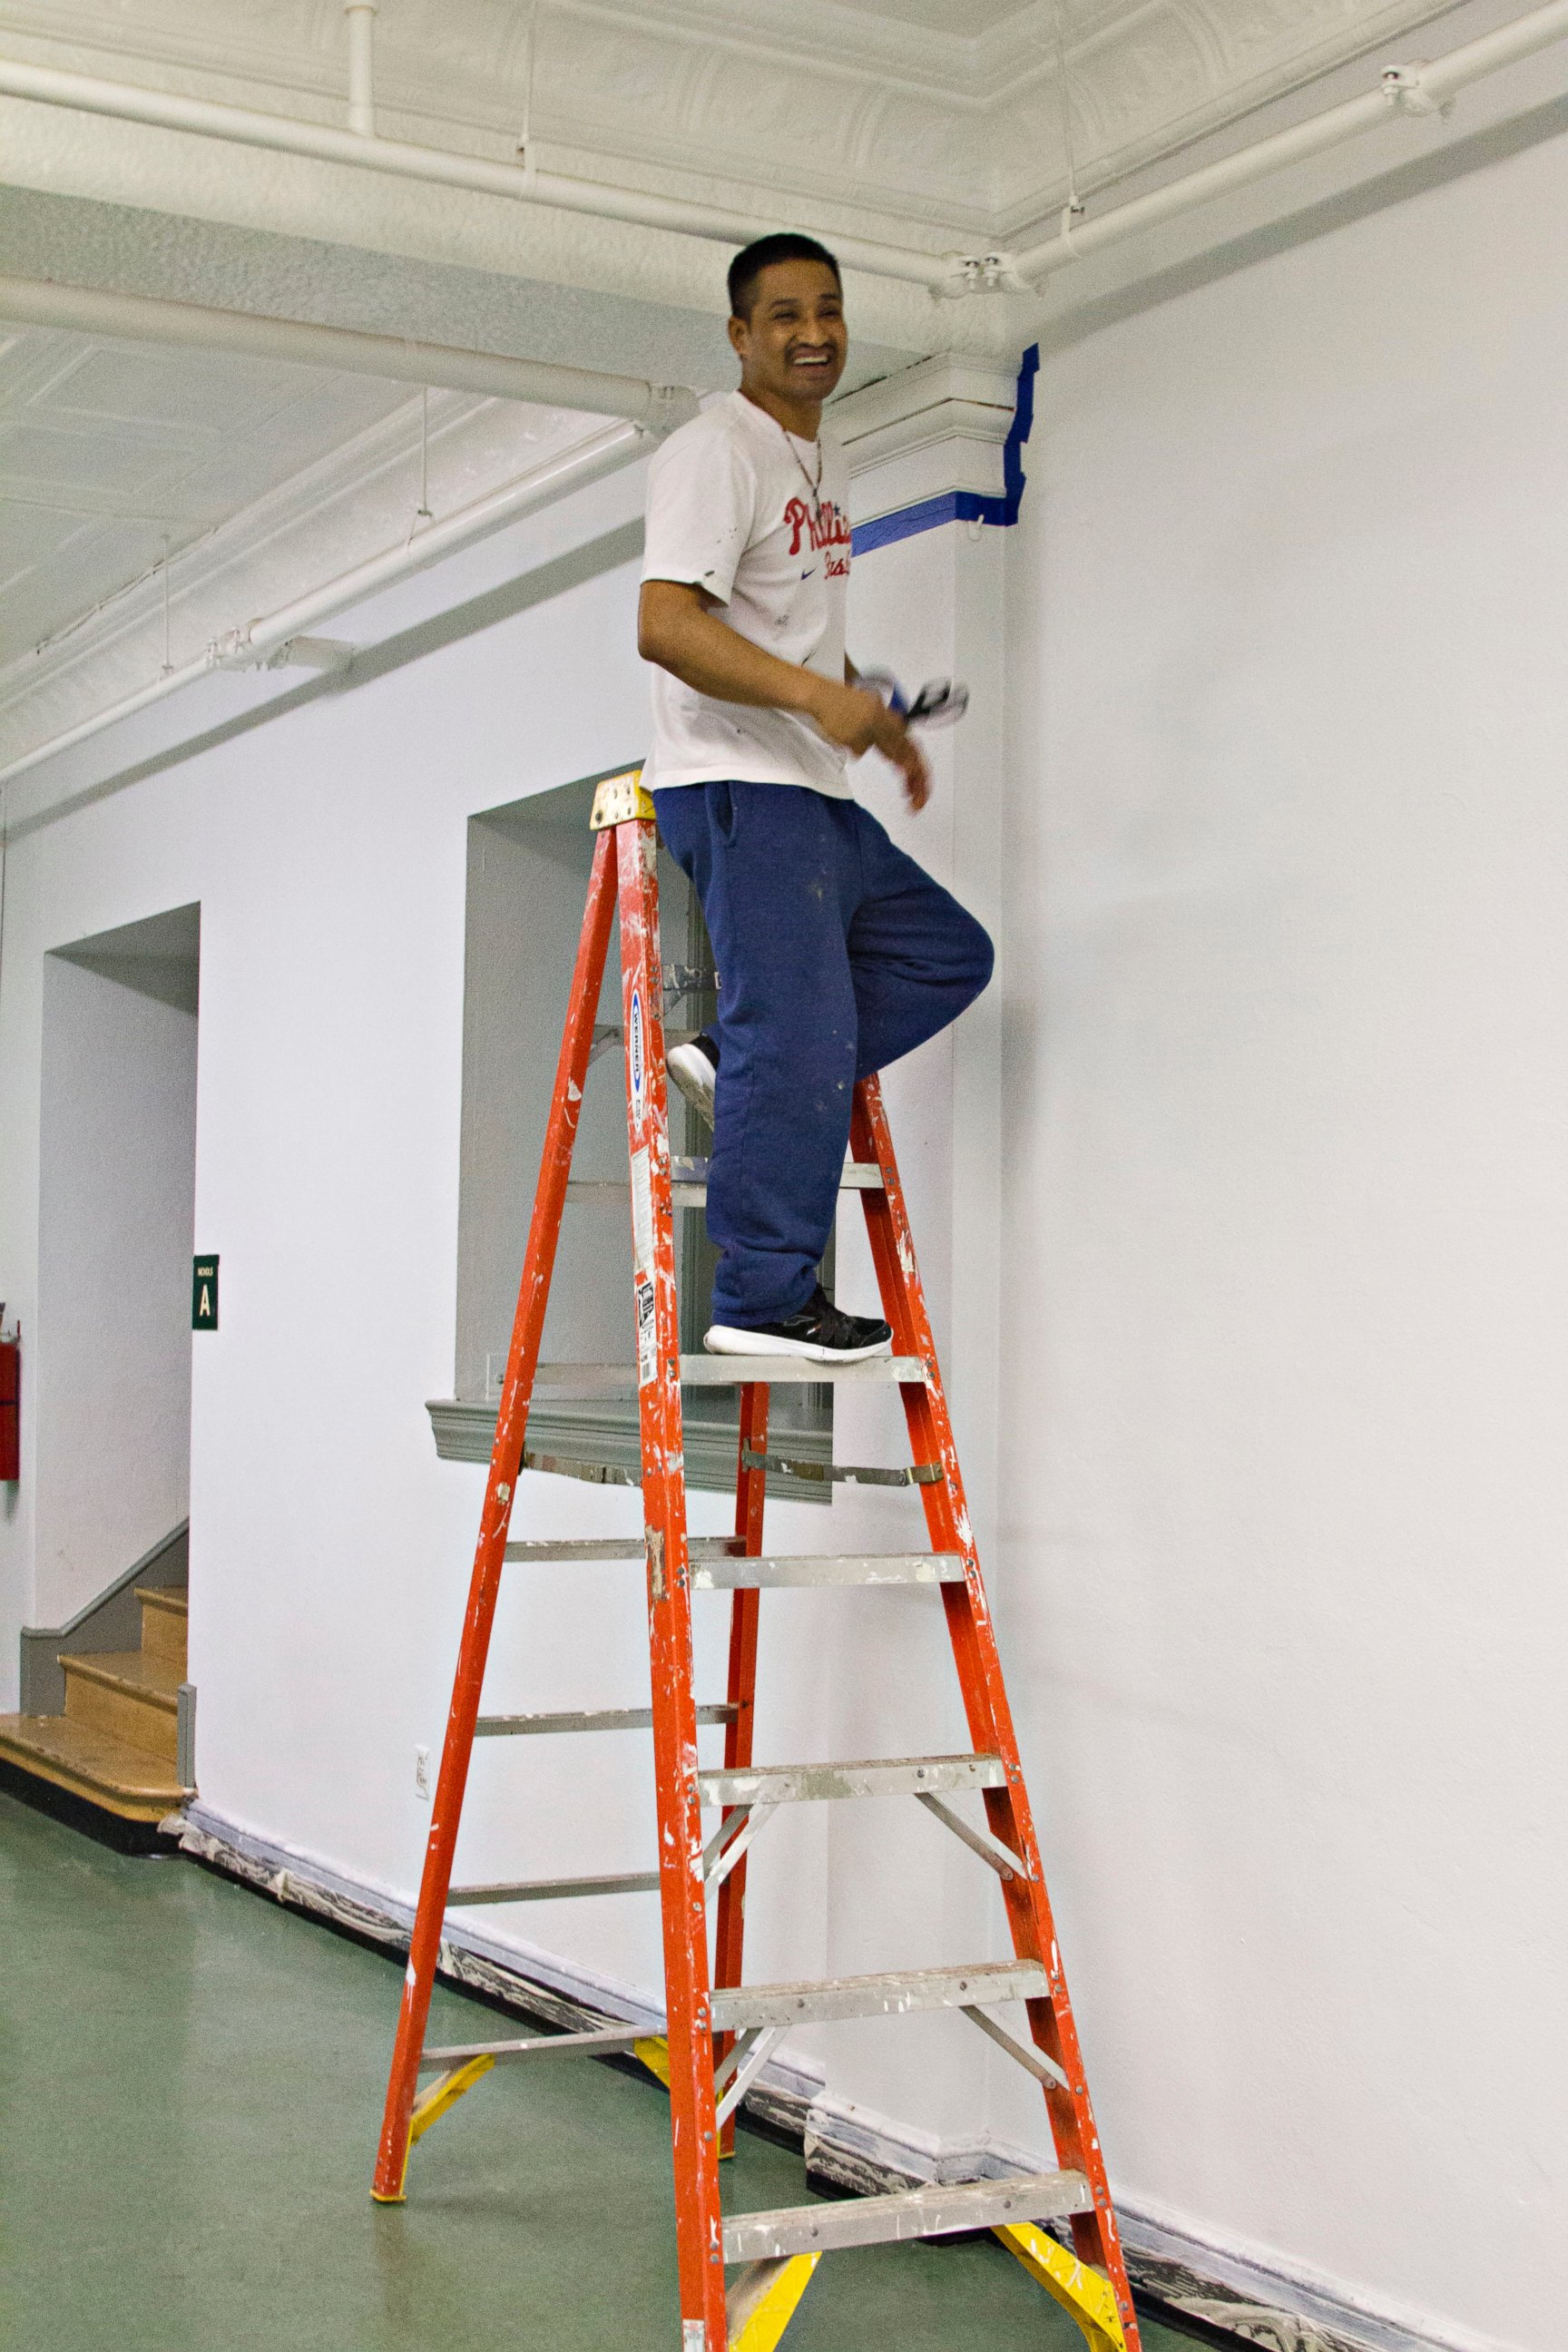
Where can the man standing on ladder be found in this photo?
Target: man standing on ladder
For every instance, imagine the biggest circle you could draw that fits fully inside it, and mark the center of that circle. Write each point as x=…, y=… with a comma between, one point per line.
x=835, y=952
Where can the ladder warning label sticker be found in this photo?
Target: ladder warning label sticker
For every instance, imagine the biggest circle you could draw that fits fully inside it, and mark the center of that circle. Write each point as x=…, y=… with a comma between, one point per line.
x=642, y=1212
x=636, y=1061
x=648, y=1333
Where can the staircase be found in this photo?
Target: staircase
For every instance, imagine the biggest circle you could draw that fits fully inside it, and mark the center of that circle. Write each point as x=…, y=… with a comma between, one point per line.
x=117, y=1742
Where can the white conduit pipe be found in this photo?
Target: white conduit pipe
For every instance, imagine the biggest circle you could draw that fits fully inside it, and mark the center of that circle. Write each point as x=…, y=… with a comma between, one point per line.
x=1423, y=88
x=168, y=111
x=361, y=14
x=140, y=318
x=248, y=647
x=1413, y=89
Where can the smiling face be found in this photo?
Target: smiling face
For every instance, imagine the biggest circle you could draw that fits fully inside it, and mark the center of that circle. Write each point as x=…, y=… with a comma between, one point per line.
x=794, y=346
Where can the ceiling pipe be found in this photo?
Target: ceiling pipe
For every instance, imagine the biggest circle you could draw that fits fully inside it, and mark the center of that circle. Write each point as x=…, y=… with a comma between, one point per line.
x=361, y=14
x=251, y=646
x=1414, y=90
x=1423, y=88
x=147, y=319
x=167, y=111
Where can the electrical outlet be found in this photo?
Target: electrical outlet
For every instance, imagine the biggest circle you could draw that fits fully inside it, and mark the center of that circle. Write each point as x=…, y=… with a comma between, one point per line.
x=422, y=1774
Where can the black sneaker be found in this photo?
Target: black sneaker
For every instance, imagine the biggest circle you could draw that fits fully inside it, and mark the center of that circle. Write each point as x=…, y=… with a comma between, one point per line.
x=821, y=1332
x=694, y=1066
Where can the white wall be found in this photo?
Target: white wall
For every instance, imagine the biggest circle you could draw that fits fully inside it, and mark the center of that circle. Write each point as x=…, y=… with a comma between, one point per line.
x=1285, y=1495
x=329, y=1547
x=1272, y=1438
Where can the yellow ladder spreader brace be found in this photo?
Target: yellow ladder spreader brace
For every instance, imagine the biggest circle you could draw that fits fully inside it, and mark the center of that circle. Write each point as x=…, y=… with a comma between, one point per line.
x=721, y=2031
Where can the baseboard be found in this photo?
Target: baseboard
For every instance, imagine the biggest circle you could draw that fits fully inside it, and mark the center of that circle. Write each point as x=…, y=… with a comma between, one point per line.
x=1256, y=2298
x=1240, y=2296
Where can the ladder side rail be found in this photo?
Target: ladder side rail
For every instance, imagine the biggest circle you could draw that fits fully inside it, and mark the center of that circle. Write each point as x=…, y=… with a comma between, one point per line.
x=512, y=1421
x=751, y=1493
x=932, y=1440
x=990, y=1717
x=682, y=1896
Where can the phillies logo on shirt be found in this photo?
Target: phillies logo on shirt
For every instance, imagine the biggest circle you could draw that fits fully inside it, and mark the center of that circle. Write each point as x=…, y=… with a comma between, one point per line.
x=829, y=526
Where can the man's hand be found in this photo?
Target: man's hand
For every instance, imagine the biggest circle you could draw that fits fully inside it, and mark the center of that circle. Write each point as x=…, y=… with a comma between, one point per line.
x=679, y=628
x=861, y=721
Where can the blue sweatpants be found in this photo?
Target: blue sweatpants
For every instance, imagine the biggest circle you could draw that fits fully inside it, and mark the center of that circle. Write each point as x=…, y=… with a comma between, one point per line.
x=836, y=954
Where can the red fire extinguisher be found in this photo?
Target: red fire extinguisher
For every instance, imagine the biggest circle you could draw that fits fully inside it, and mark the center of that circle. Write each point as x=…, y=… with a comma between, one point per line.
x=11, y=1406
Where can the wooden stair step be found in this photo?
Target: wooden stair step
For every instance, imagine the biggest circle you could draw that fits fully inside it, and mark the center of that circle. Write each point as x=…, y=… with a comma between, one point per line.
x=91, y=1763
x=128, y=1694
x=165, y=1623
x=174, y=1598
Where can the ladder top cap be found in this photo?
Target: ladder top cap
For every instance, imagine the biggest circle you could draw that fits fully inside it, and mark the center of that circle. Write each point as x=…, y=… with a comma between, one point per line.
x=619, y=798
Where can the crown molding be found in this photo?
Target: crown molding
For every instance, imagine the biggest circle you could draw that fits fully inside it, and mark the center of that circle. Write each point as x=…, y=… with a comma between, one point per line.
x=937, y=426
x=910, y=129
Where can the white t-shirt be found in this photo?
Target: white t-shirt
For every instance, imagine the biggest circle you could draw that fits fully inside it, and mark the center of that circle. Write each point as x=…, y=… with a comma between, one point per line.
x=731, y=508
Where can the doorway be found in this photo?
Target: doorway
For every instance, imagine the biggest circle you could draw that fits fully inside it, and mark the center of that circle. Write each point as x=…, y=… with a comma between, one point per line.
x=116, y=1216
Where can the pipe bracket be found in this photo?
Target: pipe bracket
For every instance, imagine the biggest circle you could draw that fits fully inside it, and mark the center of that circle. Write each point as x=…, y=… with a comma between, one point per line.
x=960, y=275
x=669, y=405
x=1406, y=89
x=232, y=651
x=978, y=273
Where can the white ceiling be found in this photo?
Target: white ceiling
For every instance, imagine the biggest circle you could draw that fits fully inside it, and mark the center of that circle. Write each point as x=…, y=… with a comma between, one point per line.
x=930, y=122
x=110, y=450
x=313, y=490
x=944, y=112
x=943, y=16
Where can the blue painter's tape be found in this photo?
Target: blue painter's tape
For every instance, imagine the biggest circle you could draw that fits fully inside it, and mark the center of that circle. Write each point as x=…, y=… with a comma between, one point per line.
x=966, y=506
x=1018, y=433
x=905, y=522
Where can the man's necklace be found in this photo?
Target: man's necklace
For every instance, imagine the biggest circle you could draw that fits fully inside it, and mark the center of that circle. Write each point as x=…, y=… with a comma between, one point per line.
x=815, y=487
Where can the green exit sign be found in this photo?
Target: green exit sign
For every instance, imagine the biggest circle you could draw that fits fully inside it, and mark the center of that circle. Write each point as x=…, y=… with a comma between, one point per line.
x=203, y=1293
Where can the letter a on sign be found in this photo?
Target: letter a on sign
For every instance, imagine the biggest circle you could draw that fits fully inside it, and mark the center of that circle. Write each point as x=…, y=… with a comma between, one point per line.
x=203, y=1293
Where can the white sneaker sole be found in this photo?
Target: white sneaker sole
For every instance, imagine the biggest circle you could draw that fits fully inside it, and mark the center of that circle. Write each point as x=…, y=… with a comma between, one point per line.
x=728, y=1339
x=694, y=1076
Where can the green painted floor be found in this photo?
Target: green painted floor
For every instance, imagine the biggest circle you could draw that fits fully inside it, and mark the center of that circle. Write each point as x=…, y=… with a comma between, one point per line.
x=192, y=2083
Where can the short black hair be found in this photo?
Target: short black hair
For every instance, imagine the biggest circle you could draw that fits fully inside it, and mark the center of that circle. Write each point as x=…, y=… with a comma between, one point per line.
x=748, y=264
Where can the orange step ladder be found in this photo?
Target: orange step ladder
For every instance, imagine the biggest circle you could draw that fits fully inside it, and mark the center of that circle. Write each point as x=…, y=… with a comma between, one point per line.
x=721, y=2031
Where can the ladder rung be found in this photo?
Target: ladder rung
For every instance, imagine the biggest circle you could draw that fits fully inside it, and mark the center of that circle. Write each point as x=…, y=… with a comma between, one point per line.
x=546, y=2045
x=735, y=1371
x=927, y=2212
x=605, y=1030
x=888, y=1995
x=858, y=1175
x=567, y=1381
x=719, y=1565
x=847, y=1473
x=688, y=1185
x=892, y=1776
x=583, y=1380
x=631, y=1546
x=589, y=1718
x=550, y=1890
x=568, y=1465
x=724, y=1575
